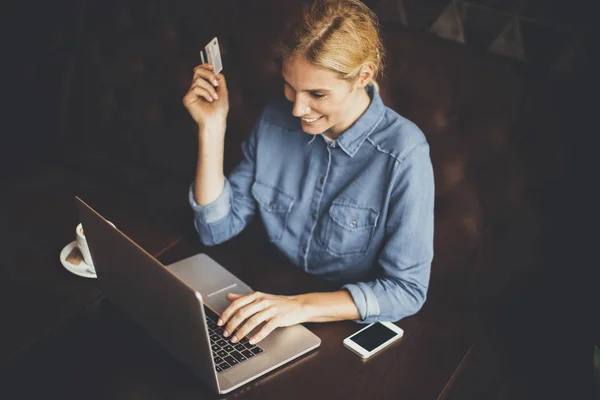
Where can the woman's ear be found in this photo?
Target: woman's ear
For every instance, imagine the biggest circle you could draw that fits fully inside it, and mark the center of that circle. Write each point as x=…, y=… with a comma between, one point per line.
x=366, y=75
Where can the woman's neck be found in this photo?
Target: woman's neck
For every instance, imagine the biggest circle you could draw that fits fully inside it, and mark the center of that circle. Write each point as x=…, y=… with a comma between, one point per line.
x=363, y=102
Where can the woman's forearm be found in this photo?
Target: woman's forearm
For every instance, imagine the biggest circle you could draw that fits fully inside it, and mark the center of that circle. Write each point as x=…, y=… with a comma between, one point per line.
x=329, y=306
x=209, y=181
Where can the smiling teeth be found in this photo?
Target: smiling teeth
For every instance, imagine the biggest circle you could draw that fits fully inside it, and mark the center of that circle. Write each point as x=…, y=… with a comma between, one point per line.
x=309, y=120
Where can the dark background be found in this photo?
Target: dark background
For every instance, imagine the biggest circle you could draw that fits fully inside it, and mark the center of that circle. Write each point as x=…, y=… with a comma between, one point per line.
x=55, y=54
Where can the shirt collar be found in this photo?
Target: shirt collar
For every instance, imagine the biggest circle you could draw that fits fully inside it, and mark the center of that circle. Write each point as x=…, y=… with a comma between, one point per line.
x=351, y=140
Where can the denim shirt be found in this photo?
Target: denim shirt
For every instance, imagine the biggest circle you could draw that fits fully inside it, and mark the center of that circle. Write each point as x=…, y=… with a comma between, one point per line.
x=357, y=211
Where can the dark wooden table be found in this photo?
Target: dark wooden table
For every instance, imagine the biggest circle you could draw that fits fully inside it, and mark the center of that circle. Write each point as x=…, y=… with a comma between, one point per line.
x=63, y=339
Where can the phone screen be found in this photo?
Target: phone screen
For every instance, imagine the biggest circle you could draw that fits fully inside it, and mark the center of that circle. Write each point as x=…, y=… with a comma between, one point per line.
x=373, y=336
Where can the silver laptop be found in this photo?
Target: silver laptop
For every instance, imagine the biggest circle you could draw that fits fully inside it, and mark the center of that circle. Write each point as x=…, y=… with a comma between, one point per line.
x=178, y=305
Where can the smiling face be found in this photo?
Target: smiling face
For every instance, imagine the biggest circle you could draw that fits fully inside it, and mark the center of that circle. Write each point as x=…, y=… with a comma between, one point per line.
x=324, y=102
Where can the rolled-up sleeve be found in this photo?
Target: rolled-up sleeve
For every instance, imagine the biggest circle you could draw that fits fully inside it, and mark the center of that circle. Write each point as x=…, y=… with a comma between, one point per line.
x=214, y=211
x=234, y=208
x=404, y=263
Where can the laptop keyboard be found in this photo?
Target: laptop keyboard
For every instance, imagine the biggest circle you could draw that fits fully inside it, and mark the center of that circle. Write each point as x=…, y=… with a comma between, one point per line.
x=227, y=354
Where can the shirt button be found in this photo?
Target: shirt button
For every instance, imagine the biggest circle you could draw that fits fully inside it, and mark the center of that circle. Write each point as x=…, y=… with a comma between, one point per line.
x=314, y=217
x=322, y=181
x=353, y=224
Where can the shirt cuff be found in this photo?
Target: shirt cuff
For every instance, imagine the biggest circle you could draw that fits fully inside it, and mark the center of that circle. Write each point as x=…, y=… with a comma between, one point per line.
x=365, y=300
x=214, y=211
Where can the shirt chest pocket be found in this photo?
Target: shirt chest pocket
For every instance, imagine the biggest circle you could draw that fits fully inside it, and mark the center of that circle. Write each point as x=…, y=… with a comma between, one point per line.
x=348, y=229
x=275, y=207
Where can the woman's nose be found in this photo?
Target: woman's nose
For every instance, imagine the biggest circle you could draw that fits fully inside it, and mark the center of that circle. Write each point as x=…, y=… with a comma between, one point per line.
x=300, y=108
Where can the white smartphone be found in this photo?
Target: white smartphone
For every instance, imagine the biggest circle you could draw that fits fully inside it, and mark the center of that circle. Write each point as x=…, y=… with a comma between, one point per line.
x=211, y=54
x=373, y=338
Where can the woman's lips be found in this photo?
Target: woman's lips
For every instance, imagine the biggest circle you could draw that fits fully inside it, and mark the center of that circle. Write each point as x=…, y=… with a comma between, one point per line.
x=310, y=121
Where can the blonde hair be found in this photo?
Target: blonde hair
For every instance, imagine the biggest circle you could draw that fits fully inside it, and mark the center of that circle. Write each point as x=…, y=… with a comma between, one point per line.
x=339, y=35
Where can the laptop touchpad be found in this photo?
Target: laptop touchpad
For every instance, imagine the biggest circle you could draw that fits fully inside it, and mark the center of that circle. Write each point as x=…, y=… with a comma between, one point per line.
x=210, y=279
x=218, y=300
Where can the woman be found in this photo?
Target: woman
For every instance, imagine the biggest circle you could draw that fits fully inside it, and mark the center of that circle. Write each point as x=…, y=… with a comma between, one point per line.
x=343, y=184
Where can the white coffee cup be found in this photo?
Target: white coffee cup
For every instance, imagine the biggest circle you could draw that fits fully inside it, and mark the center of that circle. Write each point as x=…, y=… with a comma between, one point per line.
x=83, y=246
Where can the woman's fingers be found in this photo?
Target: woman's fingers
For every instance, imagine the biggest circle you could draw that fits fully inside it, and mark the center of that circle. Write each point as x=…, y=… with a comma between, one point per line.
x=234, y=296
x=248, y=313
x=199, y=89
x=265, y=331
x=252, y=323
x=206, y=86
x=221, y=83
x=201, y=93
x=193, y=95
x=236, y=305
x=214, y=84
x=205, y=71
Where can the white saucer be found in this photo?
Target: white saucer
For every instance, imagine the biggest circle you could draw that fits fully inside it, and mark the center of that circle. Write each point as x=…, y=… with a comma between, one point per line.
x=81, y=269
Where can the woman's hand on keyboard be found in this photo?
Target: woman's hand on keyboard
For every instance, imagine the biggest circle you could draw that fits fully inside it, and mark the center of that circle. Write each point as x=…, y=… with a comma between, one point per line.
x=246, y=312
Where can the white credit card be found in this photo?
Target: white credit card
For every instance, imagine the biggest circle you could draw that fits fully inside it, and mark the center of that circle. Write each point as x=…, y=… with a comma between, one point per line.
x=212, y=55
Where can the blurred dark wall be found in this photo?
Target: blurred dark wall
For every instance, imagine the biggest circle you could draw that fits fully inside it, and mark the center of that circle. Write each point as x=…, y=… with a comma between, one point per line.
x=49, y=47
x=39, y=43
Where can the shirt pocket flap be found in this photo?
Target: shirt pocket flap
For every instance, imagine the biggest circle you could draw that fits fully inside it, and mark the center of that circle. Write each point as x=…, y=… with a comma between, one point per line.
x=271, y=199
x=353, y=218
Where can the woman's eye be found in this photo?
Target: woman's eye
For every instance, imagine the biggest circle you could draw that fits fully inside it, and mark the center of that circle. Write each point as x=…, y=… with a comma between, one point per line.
x=315, y=95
